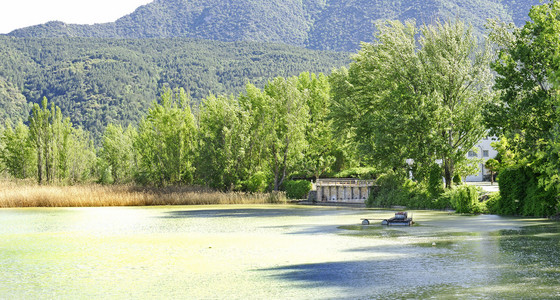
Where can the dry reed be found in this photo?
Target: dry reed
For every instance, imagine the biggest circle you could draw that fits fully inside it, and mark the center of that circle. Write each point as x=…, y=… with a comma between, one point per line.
x=18, y=194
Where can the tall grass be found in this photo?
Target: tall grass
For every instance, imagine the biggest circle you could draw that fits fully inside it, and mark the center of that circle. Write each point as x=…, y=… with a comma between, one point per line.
x=25, y=194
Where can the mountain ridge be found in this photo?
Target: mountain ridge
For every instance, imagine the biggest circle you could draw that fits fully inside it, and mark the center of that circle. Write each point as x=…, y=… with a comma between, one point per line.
x=338, y=25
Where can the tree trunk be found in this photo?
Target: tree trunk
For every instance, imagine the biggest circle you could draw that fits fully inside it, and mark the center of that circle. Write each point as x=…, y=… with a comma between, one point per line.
x=448, y=173
x=39, y=165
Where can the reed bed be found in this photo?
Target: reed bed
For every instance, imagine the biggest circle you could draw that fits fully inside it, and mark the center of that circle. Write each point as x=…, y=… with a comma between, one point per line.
x=17, y=194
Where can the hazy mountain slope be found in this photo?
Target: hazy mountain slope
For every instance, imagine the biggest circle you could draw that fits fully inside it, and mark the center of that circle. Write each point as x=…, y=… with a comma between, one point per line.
x=317, y=24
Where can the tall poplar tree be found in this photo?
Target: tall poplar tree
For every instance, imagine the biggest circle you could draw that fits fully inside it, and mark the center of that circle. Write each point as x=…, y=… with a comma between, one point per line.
x=166, y=141
x=287, y=119
x=416, y=93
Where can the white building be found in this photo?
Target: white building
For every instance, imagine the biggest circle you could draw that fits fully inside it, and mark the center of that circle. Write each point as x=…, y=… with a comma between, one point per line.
x=484, y=152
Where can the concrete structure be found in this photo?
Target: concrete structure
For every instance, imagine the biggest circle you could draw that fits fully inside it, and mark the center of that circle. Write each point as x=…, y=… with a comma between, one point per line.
x=485, y=151
x=343, y=190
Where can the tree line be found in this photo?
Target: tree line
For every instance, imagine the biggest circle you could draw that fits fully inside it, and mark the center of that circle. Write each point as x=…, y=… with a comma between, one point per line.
x=254, y=142
x=410, y=105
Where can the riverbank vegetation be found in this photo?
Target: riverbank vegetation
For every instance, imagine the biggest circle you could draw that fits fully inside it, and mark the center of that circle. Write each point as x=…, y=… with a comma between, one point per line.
x=27, y=194
x=407, y=110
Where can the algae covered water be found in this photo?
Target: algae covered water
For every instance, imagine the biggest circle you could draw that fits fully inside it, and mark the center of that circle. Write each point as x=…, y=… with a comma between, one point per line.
x=281, y=252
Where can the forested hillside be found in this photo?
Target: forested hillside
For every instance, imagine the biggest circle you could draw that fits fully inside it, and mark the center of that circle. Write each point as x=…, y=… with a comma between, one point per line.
x=317, y=24
x=100, y=81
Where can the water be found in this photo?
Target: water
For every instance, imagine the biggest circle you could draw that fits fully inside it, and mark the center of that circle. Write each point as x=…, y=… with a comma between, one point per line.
x=278, y=252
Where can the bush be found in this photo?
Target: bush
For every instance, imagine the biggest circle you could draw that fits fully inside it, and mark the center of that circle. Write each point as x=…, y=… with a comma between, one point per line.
x=464, y=199
x=297, y=189
x=538, y=202
x=435, y=181
x=257, y=183
x=493, y=203
x=513, y=185
x=389, y=190
x=443, y=201
x=395, y=190
x=457, y=179
x=521, y=194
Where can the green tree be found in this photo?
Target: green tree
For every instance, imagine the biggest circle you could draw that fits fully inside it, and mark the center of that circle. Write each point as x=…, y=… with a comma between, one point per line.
x=80, y=160
x=319, y=156
x=526, y=113
x=224, y=138
x=418, y=94
x=492, y=165
x=286, y=123
x=117, y=152
x=17, y=153
x=166, y=141
x=49, y=133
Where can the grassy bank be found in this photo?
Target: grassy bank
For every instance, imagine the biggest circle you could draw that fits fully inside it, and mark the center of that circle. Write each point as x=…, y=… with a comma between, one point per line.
x=17, y=194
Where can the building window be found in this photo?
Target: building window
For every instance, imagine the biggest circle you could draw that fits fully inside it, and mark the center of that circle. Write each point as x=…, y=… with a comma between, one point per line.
x=485, y=153
x=472, y=154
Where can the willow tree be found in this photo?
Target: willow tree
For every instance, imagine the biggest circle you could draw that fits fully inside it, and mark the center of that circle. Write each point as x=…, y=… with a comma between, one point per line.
x=277, y=119
x=286, y=122
x=224, y=142
x=417, y=93
x=117, y=152
x=319, y=155
x=166, y=141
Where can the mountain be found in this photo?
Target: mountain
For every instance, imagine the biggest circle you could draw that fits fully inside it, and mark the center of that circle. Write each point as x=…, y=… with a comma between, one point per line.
x=101, y=81
x=338, y=25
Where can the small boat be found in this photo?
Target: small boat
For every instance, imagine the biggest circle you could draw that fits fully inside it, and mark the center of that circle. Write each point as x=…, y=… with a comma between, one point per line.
x=400, y=219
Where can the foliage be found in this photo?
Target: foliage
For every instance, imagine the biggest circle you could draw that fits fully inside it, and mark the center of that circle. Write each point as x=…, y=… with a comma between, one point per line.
x=166, y=141
x=257, y=183
x=394, y=189
x=358, y=172
x=493, y=202
x=117, y=153
x=464, y=199
x=320, y=153
x=417, y=95
x=285, y=122
x=297, y=189
x=526, y=113
x=521, y=194
x=16, y=151
x=49, y=149
x=223, y=138
x=435, y=181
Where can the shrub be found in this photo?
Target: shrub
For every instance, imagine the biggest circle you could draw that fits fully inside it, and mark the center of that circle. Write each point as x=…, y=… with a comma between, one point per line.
x=538, y=202
x=457, y=179
x=435, y=181
x=297, y=189
x=513, y=186
x=257, y=183
x=389, y=190
x=395, y=190
x=464, y=199
x=443, y=201
x=493, y=203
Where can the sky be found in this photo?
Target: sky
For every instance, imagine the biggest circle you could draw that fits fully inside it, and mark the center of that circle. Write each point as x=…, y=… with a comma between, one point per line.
x=16, y=14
